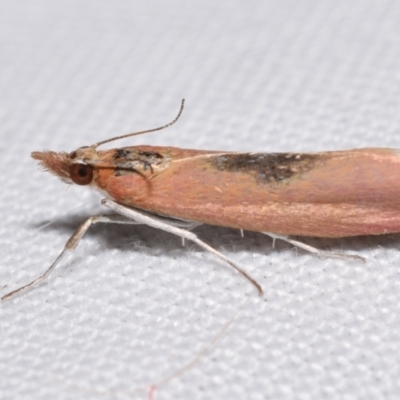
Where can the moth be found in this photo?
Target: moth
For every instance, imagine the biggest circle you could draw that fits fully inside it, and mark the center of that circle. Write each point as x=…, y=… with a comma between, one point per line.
x=329, y=194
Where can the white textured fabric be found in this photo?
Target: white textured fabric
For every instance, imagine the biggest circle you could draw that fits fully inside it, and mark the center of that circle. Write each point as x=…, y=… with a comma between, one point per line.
x=133, y=306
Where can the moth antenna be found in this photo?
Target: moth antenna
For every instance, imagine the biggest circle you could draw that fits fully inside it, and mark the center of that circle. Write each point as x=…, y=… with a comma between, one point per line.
x=95, y=145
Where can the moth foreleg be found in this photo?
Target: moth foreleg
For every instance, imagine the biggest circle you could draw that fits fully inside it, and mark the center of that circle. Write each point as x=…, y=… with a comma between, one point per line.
x=72, y=242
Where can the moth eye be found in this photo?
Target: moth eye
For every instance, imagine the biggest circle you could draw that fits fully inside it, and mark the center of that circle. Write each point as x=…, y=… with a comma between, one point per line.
x=81, y=174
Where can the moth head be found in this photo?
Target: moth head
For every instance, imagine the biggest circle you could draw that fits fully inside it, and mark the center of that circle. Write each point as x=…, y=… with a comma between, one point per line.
x=70, y=168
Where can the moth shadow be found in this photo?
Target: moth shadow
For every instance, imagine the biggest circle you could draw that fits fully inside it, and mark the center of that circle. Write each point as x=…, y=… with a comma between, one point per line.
x=226, y=240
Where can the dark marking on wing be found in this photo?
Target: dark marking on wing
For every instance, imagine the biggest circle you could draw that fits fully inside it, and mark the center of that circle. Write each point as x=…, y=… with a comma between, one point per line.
x=121, y=153
x=133, y=160
x=150, y=155
x=266, y=167
x=129, y=154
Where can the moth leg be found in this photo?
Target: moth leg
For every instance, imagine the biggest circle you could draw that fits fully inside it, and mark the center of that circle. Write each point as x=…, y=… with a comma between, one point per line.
x=312, y=249
x=72, y=242
x=180, y=223
x=165, y=224
x=189, y=225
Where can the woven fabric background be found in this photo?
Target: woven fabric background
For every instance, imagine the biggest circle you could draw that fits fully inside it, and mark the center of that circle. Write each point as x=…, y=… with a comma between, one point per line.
x=132, y=306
